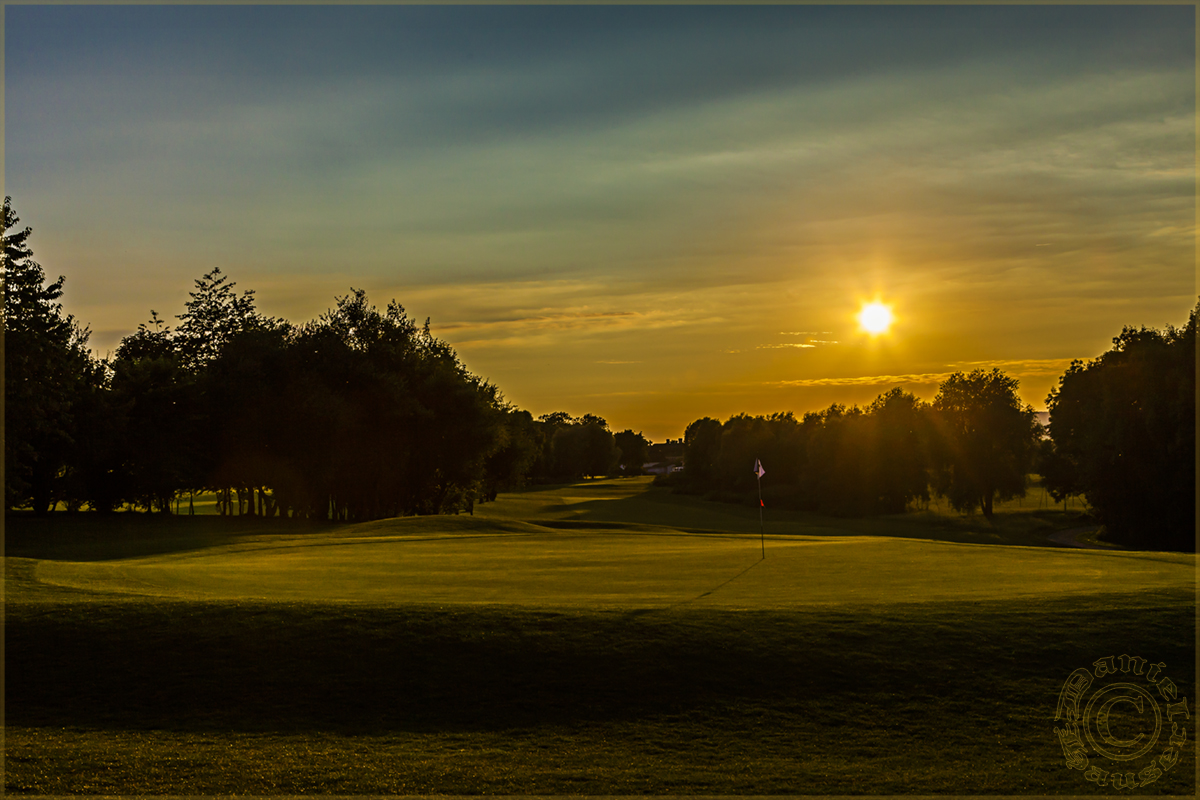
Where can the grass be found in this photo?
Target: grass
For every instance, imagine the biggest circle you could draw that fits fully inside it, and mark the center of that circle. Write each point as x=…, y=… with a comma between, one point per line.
x=569, y=640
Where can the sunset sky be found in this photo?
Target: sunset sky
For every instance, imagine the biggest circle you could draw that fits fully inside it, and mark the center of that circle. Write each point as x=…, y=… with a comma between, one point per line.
x=648, y=213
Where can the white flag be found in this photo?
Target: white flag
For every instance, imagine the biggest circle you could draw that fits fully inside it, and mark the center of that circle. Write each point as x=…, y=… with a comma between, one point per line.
x=758, y=470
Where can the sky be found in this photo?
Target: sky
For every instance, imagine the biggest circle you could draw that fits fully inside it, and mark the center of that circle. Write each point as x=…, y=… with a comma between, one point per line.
x=653, y=214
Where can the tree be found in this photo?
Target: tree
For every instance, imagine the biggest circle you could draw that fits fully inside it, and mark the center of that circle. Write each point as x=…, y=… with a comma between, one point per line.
x=701, y=447
x=157, y=445
x=1123, y=428
x=899, y=450
x=839, y=481
x=985, y=440
x=583, y=449
x=517, y=450
x=633, y=447
x=213, y=316
x=45, y=358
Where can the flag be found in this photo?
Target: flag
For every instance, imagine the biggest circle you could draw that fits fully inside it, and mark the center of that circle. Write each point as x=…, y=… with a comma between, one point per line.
x=758, y=470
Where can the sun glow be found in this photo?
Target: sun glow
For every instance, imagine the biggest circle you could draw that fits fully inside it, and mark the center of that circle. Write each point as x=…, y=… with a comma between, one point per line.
x=875, y=318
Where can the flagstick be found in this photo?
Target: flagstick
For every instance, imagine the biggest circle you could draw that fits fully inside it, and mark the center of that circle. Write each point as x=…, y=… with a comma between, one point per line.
x=761, y=540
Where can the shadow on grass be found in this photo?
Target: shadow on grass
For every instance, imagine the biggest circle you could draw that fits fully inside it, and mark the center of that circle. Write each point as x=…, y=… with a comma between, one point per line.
x=101, y=537
x=927, y=668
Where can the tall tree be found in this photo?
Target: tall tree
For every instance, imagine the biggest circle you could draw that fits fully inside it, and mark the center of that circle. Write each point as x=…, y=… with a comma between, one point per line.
x=1124, y=434
x=214, y=315
x=900, y=450
x=985, y=440
x=518, y=448
x=701, y=447
x=45, y=359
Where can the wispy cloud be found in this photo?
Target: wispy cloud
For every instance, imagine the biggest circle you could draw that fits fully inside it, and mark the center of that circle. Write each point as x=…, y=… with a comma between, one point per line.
x=867, y=380
x=568, y=321
x=1044, y=366
x=1028, y=366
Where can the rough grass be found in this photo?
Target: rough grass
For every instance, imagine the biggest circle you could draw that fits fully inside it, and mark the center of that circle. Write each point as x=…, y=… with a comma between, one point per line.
x=236, y=657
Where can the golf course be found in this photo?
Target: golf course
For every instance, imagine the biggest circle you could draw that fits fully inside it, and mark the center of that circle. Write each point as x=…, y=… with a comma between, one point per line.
x=606, y=637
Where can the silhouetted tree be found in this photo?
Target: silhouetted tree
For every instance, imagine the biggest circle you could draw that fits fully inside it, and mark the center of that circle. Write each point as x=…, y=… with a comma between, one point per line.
x=899, y=459
x=45, y=359
x=214, y=315
x=97, y=473
x=633, y=447
x=159, y=427
x=518, y=447
x=1123, y=428
x=773, y=439
x=985, y=440
x=701, y=447
x=583, y=449
x=840, y=480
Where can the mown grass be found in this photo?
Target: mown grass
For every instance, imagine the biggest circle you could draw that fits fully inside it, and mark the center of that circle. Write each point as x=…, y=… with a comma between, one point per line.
x=168, y=697
x=122, y=688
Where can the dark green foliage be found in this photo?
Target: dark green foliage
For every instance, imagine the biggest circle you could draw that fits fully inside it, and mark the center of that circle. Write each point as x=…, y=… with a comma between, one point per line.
x=900, y=439
x=358, y=415
x=1124, y=435
x=97, y=474
x=517, y=449
x=158, y=425
x=45, y=359
x=868, y=461
x=845, y=462
x=212, y=317
x=701, y=446
x=585, y=449
x=633, y=447
x=985, y=440
x=574, y=448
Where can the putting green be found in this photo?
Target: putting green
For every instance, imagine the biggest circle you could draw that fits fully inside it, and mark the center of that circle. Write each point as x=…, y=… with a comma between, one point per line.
x=474, y=561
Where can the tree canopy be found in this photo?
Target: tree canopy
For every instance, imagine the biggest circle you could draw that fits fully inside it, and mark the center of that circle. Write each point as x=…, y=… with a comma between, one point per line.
x=45, y=363
x=986, y=439
x=1123, y=428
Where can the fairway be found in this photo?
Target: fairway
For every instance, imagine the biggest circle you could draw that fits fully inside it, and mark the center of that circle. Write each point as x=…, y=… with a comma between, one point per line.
x=603, y=566
x=607, y=637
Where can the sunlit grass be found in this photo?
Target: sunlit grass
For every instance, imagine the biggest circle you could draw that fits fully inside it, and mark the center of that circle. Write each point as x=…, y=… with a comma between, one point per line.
x=600, y=638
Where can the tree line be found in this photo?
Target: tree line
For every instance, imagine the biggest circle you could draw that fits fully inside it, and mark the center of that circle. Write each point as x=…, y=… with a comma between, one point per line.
x=1121, y=434
x=973, y=445
x=360, y=414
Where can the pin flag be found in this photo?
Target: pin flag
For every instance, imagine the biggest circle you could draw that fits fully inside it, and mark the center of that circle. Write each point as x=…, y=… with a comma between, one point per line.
x=759, y=471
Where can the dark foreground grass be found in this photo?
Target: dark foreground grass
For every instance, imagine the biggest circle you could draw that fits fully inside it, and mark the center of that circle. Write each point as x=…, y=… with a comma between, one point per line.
x=169, y=697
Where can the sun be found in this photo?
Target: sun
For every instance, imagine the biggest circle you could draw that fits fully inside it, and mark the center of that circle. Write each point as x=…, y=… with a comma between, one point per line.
x=875, y=317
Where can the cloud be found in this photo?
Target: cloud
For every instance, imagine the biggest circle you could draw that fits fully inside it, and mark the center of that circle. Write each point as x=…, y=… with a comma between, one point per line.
x=1028, y=366
x=867, y=380
x=1043, y=366
x=567, y=321
x=775, y=346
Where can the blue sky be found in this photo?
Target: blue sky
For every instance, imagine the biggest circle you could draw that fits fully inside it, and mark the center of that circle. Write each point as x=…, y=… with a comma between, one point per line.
x=649, y=213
